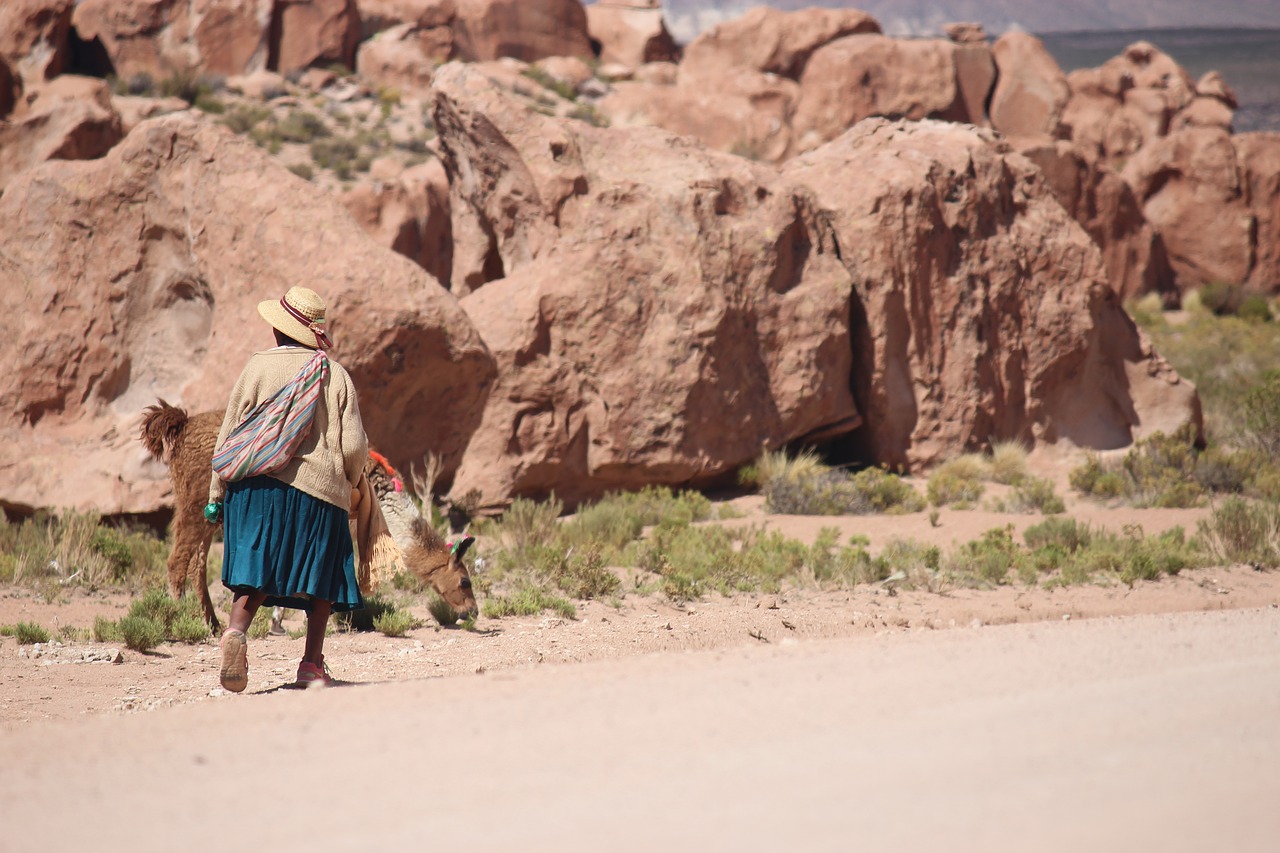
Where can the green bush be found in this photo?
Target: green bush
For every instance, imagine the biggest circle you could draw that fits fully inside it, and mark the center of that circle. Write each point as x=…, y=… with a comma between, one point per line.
x=302, y=170
x=1065, y=533
x=300, y=126
x=824, y=491
x=1240, y=531
x=1221, y=298
x=987, y=560
x=29, y=633
x=1260, y=415
x=1008, y=464
x=243, y=118
x=1034, y=494
x=561, y=88
x=528, y=600
x=953, y=485
x=1255, y=309
x=442, y=611
x=141, y=633
x=336, y=154
x=106, y=630
x=395, y=623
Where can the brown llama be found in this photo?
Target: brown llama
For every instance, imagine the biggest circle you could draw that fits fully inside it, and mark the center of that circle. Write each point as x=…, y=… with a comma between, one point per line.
x=185, y=443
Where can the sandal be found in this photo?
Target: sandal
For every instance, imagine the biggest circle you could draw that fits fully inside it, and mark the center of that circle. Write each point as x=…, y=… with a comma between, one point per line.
x=235, y=661
x=313, y=675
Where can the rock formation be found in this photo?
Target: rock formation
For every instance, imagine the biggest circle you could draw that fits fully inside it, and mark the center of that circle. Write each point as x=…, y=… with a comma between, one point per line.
x=69, y=118
x=658, y=311
x=137, y=276
x=631, y=32
x=982, y=312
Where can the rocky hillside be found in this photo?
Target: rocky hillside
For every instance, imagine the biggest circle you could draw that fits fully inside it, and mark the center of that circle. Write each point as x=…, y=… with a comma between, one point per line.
x=564, y=254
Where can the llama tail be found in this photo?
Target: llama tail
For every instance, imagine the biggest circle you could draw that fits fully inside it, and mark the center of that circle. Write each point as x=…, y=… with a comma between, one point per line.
x=162, y=426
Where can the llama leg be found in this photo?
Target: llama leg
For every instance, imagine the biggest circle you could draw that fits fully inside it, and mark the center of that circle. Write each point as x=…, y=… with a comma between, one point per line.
x=277, y=621
x=198, y=572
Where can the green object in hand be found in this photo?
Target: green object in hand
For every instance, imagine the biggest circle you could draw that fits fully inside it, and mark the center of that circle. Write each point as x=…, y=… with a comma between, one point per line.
x=213, y=512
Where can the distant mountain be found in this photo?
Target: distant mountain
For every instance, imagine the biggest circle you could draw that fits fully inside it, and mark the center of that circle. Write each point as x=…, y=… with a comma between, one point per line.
x=686, y=18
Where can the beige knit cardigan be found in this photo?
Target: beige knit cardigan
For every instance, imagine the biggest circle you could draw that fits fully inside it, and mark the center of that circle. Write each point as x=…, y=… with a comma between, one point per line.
x=330, y=460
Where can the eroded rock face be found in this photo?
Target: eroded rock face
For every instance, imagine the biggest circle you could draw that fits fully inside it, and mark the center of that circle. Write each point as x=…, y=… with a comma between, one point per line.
x=528, y=30
x=33, y=38
x=745, y=112
x=767, y=40
x=1031, y=91
x=659, y=312
x=68, y=118
x=160, y=37
x=317, y=32
x=410, y=215
x=1259, y=157
x=872, y=75
x=982, y=311
x=137, y=276
x=404, y=57
x=1100, y=200
x=629, y=35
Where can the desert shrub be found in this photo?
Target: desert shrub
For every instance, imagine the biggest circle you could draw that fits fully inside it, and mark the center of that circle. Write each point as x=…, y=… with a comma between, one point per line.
x=1065, y=533
x=180, y=621
x=1035, y=494
x=986, y=560
x=1260, y=415
x=1224, y=356
x=188, y=628
x=819, y=490
x=1239, y=531
x=1008, y=463
x=1149, y=557
x=957, y=481
x=141, y=633
x=365, y=618
x=29, y=633
x=1255, y=309
x=302, y=170
x=589, y=114
x=187, y=84
x=210, y=103
x=1221, y=298
x=243, y=118
x=301, y=126
x=825, y=493
x=779, y=465
x=1163, y=471
x=886, y=492
x=914, y=564
x=528, y=600
x=106, y=630
x=395, y=623
x=544, y=79
x=141, y=84
x=336, y=154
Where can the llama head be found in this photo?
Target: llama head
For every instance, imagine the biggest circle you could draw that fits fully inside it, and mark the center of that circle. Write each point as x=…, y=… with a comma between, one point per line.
x=439, y=563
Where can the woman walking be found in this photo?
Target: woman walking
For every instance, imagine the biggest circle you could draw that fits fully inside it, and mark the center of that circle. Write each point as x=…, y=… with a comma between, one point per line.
x=287, y=543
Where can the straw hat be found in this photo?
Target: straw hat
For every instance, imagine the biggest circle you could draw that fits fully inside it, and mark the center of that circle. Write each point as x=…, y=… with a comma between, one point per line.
x=300, y=315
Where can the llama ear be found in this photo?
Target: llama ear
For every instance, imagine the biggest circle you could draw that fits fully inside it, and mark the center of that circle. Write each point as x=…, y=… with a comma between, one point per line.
x=460, y=547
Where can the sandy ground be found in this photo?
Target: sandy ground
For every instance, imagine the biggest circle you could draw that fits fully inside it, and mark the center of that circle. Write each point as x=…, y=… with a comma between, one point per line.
x=1100, y=717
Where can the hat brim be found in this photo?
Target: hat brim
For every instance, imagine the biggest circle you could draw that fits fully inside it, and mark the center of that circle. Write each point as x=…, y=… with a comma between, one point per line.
x=273, y=312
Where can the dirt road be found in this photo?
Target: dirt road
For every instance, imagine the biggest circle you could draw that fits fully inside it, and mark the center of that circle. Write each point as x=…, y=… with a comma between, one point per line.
x=1146, y=732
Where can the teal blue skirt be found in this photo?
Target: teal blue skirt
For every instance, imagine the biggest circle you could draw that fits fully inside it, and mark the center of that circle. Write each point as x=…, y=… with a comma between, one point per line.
x=288, y=544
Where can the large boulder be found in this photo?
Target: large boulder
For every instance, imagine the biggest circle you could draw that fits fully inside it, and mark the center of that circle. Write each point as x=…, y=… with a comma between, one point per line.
x=873, y=75
x=1259, y=157
x=404, y=57
x=379, y=15
x=982, y=311
x=768, y=40
x=68, y=118
x=1031, y=91
x=1105, y=205
x=659, y=312
x=630, y=34
x=522, y=29
x=34, y=38
x=316, y=32
x=161, y=38
x=745, y=112
x=1190, y=186
x=137, y=276
x=410, y=215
